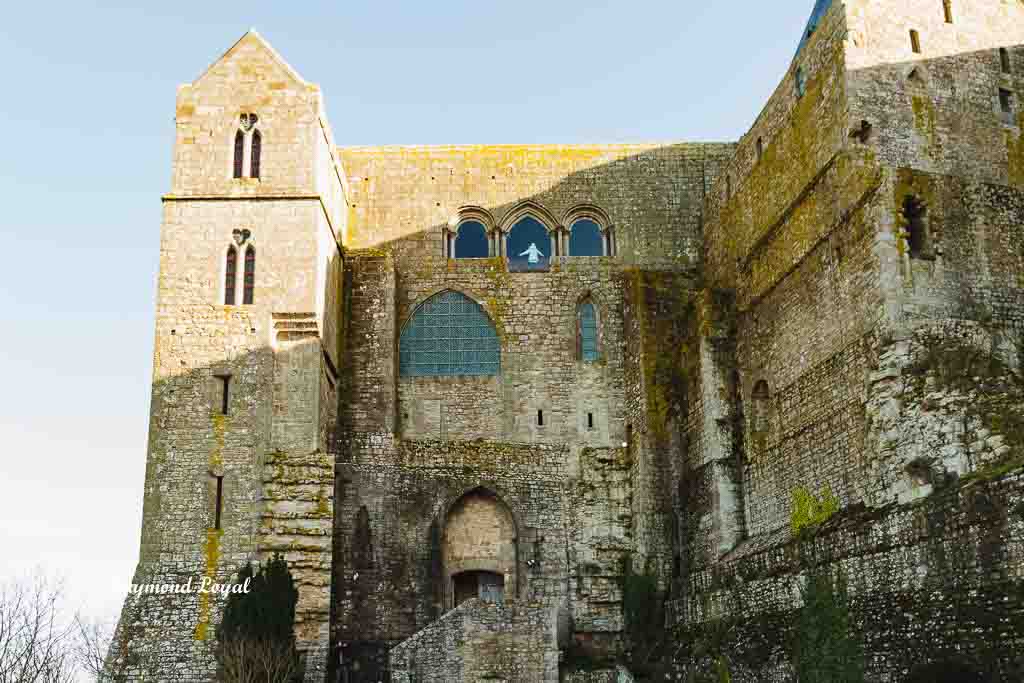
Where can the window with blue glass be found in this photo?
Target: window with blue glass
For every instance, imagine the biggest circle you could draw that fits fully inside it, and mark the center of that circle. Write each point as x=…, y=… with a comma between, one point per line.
x=528, y=245
x=586, y=239
x=449, y=335
x=588, y=333
x=471, y=241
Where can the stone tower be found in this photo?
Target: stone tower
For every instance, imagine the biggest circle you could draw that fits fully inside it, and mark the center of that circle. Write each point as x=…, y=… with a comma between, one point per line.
x=245, y=360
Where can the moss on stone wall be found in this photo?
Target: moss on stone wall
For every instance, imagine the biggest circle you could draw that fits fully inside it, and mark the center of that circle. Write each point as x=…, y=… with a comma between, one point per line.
x=810, y=511
x=924, y=117
x=1015, y=153
x=667, y=314
x=212, y=553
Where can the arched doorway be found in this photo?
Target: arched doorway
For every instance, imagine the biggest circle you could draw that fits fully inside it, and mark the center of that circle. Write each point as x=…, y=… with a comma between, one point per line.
x=478, y=549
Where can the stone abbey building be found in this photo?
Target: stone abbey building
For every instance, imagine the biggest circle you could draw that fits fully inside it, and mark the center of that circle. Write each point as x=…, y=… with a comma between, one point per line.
x=517, y=413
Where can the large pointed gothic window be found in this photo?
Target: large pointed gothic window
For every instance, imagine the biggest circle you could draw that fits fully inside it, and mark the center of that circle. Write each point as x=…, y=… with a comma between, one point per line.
x=449, y=335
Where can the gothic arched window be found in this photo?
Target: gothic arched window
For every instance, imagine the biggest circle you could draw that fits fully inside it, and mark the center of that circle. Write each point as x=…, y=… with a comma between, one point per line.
x=249, y=282
x=449, y=335
x=257, y=148
x=586, y=337
x=248, y=143
x=230, y=276
x=471, y=241
x=529, y=245
x=239, y=154
x=586, y=239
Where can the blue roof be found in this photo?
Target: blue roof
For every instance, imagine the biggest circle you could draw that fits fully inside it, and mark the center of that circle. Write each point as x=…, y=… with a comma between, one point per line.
x=820, y=8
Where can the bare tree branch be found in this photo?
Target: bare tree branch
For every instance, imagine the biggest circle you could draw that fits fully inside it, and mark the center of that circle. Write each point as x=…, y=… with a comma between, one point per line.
x=90, y=646
x=34, y=635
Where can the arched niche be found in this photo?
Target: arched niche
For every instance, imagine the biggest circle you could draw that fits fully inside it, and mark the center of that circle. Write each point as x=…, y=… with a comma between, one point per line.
x=479, y=550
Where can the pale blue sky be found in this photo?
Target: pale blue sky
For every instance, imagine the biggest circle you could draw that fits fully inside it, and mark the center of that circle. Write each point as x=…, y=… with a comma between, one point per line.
x=87, y=118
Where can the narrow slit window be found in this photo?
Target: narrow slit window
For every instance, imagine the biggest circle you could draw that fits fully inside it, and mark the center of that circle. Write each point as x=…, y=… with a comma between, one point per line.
x=590, y=420
x=1006, y=105
x=230, y=276
x=801, y=83
x=728, y=186
x=219, y=503
x=915, y=41
x=257, y=148
x=760, y=148
x=1004, y=60
x=225, y=393
x=249, y=284
x=540, y=418
x=947, y=10
x=239, y=153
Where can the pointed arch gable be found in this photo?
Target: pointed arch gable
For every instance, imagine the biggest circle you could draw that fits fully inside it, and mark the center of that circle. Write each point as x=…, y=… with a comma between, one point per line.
x=587, y=216
x=485, y=488
x=472, y=213
x=528, y=209
x=590, y=211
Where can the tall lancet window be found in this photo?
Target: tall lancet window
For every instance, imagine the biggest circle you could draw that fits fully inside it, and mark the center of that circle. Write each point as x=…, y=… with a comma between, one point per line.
x=248, y=147
x=239, y=154
x=586, y=345
x=249, y=283
x=257, y=144
x=230, y=276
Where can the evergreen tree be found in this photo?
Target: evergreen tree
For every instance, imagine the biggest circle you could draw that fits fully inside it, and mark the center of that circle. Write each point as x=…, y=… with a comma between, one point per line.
x=256, y=637
x=826, y=648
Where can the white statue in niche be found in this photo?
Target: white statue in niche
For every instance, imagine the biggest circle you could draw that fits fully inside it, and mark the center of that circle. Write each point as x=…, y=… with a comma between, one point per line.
x=533, y=253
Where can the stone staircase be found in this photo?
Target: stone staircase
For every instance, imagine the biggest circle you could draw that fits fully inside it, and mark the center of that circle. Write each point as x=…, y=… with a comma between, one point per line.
x=297, y=521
